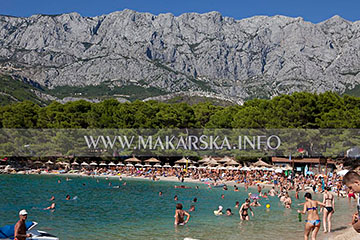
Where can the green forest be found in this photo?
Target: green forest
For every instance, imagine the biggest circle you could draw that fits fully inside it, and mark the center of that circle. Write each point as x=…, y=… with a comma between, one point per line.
x=299, y=110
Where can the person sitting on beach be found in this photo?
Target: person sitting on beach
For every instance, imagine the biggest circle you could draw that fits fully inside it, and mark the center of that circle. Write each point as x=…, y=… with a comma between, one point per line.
x=255, y=203
x=180, y=215
x=219, y=211
x=352, y=181
x=313, y=219
x=52, y=206
x=228, y=212
x=244, y=210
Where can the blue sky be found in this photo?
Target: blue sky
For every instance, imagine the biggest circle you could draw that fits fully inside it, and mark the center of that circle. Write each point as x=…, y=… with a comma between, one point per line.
x=311, y=10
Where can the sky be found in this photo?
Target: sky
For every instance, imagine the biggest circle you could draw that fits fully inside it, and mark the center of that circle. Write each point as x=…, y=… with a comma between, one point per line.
x=311, y=10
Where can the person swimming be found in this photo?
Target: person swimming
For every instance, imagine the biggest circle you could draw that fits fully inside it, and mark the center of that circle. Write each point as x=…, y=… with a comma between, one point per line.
x=192, y=208
x=52, y=206
x=219, y=211
x=255, y=203
x=67, y=197
x=180, y=215
x=182, y=186
x=228, y=212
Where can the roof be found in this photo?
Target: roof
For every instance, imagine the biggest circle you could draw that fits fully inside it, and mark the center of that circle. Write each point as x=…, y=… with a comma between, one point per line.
x=302, y=160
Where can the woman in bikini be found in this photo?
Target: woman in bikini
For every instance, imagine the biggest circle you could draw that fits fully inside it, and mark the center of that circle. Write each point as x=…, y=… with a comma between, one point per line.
x=180, y=215
x=244, y=210
x=313, y=219
x=329, y=209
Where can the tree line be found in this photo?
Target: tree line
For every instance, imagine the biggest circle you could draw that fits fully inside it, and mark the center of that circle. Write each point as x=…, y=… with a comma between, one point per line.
x=299, y=110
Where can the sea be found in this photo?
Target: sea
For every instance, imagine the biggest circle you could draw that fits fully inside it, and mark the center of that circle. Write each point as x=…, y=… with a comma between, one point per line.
x=100, y=210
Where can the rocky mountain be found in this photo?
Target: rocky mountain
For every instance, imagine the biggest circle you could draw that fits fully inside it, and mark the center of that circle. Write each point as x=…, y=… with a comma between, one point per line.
x=206, y=53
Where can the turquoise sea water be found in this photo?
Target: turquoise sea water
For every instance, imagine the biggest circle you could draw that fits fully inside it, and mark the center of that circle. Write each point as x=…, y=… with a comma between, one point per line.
x=136, y=211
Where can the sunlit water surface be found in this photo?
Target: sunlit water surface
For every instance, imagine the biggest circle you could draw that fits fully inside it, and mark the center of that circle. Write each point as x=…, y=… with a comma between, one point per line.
x=136, y=211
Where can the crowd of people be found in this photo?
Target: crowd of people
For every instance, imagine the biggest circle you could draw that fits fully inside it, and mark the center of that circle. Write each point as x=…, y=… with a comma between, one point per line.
x=267, y=183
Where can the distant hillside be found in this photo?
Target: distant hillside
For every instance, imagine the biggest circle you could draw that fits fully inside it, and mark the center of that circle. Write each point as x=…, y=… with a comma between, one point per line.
x=141, y=55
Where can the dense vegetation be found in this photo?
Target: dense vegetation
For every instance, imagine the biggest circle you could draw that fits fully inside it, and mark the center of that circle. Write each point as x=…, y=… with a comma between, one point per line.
x=299, y=110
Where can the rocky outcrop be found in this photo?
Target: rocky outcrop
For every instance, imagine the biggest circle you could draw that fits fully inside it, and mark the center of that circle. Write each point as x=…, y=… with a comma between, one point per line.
x=259, y=56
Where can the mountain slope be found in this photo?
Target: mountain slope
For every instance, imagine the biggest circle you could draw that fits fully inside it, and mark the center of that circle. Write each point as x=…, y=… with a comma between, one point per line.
x=235, y=59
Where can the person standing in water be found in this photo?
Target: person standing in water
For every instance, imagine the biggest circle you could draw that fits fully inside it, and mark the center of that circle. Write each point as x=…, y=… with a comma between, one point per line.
x=287, y=201
x=329, y=209
x=244, y=210
x=313, y=218
x=180, y=215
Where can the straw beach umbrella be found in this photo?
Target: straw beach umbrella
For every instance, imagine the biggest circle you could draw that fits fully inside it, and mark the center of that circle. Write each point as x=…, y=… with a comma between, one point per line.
x=75, y=164
x=84, y=164
x=204, y=160
x=103, y=164
x=232, y=162
x=133, y=159
x=152, y=160
x=157, y=165
x=224, y=160
x=112, y=164
x=261, y=163
x=184, y=161
x=49, y=162
x=212, y=162
x=93, y=164
x=120, y=164
x=129, y=165
x=138, y=165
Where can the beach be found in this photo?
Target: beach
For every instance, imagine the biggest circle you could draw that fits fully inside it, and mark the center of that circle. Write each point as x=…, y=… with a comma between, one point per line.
x=166, y=184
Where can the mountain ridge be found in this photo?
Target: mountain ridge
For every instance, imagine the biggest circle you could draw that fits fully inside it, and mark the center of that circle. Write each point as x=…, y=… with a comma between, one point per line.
x=260, y=56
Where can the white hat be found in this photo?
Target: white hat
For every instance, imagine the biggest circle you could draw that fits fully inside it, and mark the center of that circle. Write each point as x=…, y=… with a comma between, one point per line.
x=23, y=212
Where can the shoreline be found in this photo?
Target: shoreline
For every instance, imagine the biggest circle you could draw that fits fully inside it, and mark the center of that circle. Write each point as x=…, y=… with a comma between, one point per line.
x=341, y=234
